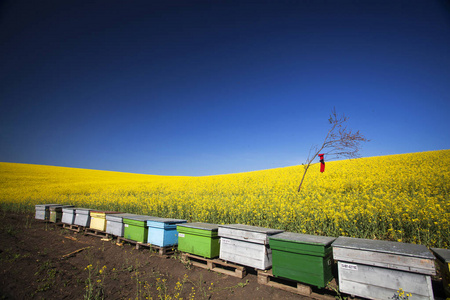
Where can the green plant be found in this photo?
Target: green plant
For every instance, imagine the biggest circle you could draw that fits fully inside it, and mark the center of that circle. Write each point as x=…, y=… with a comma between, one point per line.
x=11, y=230
x=336, y=290
x=401, y=295
x=94, y=282
x=47, y=274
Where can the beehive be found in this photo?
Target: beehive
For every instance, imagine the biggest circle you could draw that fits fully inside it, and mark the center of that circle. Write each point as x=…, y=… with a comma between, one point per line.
x=246, y=245
x=98, y=219
x=199, y=238
x=56, y=212
x=114, y=223
x=443, y=262
x=135, y=228
x=162, y=232
x=302, y=257
x=68, y=215
x=43, y=211
x=82, y=217
x=378, y=269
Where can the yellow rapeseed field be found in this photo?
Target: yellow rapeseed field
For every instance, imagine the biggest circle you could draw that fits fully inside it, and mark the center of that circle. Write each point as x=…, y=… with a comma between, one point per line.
x=398, y=197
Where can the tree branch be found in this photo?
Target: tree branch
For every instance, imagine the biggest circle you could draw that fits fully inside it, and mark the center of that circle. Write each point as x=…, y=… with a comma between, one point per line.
x=339, y=142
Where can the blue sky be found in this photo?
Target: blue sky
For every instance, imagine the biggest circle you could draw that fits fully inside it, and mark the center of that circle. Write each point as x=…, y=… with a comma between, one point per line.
x=213, y=87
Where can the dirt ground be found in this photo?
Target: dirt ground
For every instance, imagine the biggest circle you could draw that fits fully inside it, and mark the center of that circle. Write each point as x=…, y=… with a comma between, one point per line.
x=34, y=264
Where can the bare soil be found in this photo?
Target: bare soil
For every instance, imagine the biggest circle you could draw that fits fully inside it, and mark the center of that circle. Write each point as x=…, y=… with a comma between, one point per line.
x=40, y=260
x=33, y=266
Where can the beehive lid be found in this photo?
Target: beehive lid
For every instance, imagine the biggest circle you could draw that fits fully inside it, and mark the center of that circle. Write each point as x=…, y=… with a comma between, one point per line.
x=105, y=212
x=383, y=247
x=82, y=210
x=44, y=206
x=268, y=231
x=119, y=216
x=304, y=238
x=140, y=218
x=168, y=220
x=59, y=207
x=69, y=208
x=199, y=225
x=442, y=254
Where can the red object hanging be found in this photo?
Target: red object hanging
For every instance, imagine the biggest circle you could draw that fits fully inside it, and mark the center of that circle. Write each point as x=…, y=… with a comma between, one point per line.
x=322, y=163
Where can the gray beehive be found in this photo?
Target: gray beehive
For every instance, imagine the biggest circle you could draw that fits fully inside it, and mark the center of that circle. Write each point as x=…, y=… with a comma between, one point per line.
x=114, y=223
x=378, y=269
x=246, y=245
x=68, y=215
x=82, y=217
x=43, y=211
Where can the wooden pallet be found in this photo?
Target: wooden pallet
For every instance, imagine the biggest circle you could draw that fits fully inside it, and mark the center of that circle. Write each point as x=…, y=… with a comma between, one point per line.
x=73, y=227
x=267, y=278
x=96, y=232
x=169, y=250
x=216, y=265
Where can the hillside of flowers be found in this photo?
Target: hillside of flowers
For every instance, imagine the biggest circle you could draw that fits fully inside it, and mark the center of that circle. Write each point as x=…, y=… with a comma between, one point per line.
x=397, y=197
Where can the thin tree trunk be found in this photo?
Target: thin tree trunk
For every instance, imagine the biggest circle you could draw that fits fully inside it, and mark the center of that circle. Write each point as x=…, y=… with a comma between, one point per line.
x=301, y=182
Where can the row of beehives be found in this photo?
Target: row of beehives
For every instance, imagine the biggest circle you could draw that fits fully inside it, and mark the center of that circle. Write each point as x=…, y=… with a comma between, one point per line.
x=367, y=268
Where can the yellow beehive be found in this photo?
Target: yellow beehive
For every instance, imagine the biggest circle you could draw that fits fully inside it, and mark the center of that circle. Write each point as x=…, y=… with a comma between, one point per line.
x=98, y=220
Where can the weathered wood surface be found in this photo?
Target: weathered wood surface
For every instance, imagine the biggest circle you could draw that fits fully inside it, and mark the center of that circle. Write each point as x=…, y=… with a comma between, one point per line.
x=96, y=232
x=249, y=254
x=42, y=215
x=247, y=233
x=68, y=216
x=380, y=283
x=82, y=217
x=215, y=265
x=386, y=260
x=82, y=220
x=114, y=227
x=73, y=227
x=138, y=245
x=118, y=217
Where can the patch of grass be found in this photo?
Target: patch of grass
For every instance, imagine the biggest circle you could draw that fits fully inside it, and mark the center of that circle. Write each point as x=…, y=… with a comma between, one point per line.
x=46, y=276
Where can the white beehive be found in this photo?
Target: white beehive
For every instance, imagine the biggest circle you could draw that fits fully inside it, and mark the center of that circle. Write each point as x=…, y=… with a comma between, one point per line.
x=246, y=245
x=376, y=269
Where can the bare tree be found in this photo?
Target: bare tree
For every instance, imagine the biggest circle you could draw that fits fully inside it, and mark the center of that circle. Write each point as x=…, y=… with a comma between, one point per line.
x=339, y=142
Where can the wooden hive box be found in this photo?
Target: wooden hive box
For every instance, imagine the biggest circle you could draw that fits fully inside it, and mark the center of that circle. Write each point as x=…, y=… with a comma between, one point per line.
x=82, y=217
x=114, y=223
x=98, y=219
x=135, y=228
x=246, y=245
x=199, y=239
x=43, y=211
x=378, y=269
x=162, y=232
x=443, y=262
x=56, y=212
x=302, y=257
x=68, y=215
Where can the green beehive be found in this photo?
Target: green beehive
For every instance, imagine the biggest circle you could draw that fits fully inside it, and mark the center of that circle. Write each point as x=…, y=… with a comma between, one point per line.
x=199, y=239
x=302, y=257
x=135, y=228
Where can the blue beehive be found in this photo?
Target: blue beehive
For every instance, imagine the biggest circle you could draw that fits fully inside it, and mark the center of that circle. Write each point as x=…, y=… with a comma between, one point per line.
x=163, y=232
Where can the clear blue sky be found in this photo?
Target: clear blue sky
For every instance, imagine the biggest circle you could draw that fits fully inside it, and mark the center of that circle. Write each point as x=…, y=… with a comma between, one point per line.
x=215, y=87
